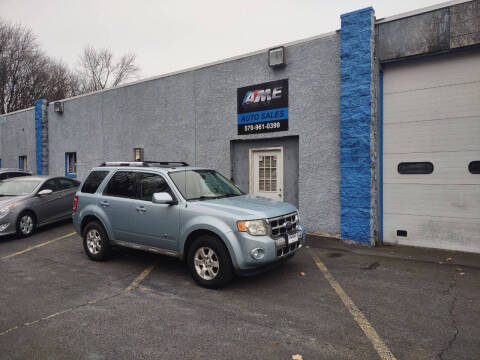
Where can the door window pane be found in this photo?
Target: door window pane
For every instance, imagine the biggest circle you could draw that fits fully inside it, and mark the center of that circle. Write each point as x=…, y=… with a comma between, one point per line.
x=122, y=184
x=151, y=184
x=474, y=167
x=415, y=168
x=50, y=184
x=267, y=167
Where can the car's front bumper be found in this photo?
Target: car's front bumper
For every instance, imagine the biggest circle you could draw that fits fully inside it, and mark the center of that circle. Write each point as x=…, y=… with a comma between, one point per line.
x=275, y=251
x=7, y=225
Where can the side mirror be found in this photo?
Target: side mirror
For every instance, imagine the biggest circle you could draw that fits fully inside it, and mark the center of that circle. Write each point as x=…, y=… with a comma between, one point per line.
x=163, y=198
x=44, y=192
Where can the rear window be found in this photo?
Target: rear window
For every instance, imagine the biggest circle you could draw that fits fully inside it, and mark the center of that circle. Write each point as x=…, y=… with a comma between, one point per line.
x=93, y=181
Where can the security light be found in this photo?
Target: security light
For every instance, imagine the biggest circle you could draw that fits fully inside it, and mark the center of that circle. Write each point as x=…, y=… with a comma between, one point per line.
x=58, y=107
x=276, y=57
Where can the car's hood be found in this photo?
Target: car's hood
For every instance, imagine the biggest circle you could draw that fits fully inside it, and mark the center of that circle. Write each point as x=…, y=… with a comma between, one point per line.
x=5, y=200
x=249, y=207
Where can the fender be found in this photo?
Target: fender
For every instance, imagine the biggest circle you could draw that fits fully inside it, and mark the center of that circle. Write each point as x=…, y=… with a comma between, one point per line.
x=96, y=211
x=215, y=225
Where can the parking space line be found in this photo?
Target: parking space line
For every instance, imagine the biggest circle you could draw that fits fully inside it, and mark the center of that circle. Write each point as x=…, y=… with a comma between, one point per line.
x=140, y=277
x=37, y=246
x=381, y=348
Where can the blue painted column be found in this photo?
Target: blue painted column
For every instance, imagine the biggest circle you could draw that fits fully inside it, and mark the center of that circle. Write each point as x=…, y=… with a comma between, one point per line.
x=356, y=42
x=41, y=137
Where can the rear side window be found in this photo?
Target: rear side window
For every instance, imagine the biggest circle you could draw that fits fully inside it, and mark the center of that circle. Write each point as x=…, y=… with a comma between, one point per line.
x=93, y=181
x=65, y=184
x=407, y=168
x=122, y=184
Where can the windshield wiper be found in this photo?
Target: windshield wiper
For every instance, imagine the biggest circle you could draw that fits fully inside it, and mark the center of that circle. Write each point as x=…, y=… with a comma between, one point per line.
x=204, y=198
x=8, y=195
x=226, y=195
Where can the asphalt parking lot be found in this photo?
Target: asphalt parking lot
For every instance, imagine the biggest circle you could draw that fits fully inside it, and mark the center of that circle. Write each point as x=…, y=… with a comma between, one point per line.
x=331, y=301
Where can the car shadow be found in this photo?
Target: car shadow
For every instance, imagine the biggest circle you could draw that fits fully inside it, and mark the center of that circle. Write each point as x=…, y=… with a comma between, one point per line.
x=38, y=231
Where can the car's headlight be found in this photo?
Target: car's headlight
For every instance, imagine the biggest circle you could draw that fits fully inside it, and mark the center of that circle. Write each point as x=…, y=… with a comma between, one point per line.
x=253, y=227
x=5, y=210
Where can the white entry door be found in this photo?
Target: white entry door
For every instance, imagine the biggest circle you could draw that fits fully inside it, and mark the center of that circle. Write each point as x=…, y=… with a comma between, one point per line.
x=266, y=173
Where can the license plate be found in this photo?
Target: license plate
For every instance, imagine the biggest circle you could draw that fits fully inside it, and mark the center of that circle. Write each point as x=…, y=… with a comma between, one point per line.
x=292, y=238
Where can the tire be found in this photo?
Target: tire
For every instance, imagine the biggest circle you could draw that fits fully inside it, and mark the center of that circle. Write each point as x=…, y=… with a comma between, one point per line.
x=26, y=224
x=209, y=262
x=95, y=242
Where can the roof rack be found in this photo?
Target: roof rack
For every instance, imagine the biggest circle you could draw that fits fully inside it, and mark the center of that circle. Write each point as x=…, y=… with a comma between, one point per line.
x=145, y=163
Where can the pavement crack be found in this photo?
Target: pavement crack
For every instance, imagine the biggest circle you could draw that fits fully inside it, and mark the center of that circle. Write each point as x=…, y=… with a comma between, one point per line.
x=451, y=310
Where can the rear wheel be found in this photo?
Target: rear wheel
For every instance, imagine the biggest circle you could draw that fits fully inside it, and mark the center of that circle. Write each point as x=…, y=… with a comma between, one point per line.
x=209, y=262
x=25, y=224
x=95, y=241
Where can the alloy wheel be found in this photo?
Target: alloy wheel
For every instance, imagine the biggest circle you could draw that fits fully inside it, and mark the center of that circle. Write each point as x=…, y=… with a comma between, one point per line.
x=94, y=241
x=206, y=263
x=26, y=224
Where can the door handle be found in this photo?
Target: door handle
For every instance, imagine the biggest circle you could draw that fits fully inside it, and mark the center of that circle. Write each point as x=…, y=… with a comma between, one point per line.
x=141, y=209
x=104, y=203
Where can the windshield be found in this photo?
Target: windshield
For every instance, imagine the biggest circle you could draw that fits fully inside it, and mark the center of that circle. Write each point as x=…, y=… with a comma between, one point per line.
x=17, y=187
x=203, y=185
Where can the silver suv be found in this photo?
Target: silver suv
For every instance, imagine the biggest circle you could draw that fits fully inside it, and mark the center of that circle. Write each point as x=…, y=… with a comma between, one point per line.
x=192, y=213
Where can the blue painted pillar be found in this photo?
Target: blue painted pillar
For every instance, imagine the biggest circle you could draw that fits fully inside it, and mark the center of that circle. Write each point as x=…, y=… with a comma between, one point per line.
x=41, y=137
x=356, y=49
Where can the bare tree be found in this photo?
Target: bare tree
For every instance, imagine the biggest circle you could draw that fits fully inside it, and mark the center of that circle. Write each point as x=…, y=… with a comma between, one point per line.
x=27, y=74
x=98, y=69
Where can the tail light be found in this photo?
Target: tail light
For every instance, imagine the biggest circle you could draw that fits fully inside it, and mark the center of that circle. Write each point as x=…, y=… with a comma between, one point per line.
x=75, y=203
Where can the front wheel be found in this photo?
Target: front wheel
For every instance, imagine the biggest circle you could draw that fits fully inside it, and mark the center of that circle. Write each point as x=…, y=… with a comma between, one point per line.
x=209, y=262
x=25, y=224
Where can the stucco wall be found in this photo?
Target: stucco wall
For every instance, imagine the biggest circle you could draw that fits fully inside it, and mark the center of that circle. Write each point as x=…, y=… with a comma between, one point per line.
x=191, y=116
x=17, y=137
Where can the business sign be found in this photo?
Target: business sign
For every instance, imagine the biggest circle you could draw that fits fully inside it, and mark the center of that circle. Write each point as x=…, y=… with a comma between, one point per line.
x=263, y=108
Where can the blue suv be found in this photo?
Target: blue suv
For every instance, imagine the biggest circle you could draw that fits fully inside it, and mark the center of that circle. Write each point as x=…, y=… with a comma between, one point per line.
x=191, y=213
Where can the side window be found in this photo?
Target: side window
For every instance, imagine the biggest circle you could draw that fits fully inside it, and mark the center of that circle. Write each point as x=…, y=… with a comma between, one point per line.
x=65, y=184
x=93, y=181
x=50, y=184
x=410, y=168
x=3, y=176
x=122, y=184
x=151, y=184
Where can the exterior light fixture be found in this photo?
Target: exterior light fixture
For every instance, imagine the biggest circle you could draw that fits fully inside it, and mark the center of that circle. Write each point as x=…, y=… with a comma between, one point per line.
x=58, y=107
x=276, y=57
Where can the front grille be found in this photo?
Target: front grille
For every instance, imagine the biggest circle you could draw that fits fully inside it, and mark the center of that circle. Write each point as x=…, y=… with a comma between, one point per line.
x=284, y=224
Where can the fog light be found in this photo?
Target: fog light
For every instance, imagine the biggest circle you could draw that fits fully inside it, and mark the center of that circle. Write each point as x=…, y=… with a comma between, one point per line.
x=257, y=253
x=4, y=226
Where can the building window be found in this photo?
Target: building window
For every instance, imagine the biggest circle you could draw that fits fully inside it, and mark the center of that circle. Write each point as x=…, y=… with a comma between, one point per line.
x=22, y=162
x=71, y=164
x=138, y=154
x=410, y=168
x=473, y=167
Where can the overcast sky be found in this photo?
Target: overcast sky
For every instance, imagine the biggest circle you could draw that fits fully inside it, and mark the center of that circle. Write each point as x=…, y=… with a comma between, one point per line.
x=169, y=35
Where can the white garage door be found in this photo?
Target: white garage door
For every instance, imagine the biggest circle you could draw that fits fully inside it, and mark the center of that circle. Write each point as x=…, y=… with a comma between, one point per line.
x=432, y=130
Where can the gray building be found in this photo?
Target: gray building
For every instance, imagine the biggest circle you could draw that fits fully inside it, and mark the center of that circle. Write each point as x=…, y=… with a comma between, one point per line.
x=371, y=130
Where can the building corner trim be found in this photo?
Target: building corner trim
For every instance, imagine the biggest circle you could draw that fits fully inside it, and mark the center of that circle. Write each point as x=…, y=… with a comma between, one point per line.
x=41, y=137
x=357, y=113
